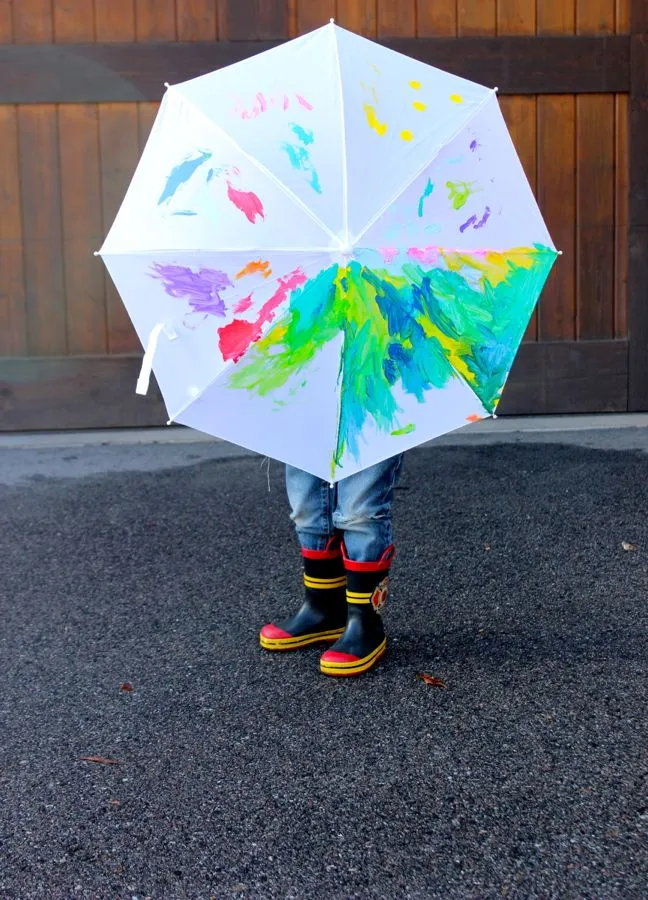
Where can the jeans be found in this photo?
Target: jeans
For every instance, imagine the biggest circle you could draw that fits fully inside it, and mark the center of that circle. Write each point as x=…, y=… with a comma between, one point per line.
x=358, y=507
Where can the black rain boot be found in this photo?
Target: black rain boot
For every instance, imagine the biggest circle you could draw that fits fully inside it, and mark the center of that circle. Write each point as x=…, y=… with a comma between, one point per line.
x=363, y=642
x=323, y=613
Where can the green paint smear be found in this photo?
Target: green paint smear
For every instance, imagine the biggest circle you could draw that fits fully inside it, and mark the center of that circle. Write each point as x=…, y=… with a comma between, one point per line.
x=419, y=329
x=408, y=429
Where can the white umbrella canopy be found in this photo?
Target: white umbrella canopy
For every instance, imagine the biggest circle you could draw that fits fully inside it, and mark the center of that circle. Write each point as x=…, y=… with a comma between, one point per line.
x=330, y=251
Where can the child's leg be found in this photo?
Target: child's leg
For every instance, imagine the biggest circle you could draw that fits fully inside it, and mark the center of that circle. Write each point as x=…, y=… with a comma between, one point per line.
x=363, y=513
x=323, y=612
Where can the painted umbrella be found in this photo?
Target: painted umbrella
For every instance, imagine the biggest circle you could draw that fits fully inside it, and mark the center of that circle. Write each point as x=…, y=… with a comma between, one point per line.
x=330, y=251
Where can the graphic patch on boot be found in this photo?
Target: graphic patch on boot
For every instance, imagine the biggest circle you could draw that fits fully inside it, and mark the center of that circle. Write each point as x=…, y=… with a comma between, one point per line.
x=379, y=596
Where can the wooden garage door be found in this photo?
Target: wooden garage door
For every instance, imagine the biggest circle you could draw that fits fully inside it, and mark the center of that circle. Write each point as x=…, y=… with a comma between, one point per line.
x=79, y=81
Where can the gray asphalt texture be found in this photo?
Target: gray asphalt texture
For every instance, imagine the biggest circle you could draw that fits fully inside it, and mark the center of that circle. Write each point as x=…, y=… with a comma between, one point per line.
x=247, y=774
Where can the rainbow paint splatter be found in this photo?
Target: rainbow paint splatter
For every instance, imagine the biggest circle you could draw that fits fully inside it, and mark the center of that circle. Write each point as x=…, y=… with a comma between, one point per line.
x=462, y=318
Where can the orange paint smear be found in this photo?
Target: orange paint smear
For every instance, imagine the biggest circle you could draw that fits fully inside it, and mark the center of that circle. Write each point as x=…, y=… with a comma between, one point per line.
x=256, y=266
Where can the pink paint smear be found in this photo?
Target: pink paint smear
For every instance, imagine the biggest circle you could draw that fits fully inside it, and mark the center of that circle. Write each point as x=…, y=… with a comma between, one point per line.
x=427, y=255
x=235, y=339
x=389, y=254
x=247, y=202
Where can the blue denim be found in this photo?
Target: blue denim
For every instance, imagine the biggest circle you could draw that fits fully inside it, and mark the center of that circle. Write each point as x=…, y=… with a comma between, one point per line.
x=358, y=507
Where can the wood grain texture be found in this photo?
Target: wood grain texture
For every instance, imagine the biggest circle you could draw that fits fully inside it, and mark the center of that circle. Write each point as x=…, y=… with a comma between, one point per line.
x=196, y=20
x=82, y=229
x=556, y=16
x=155, y=20
x=119, y=154
x=75, y=392
x=621, y=203
x=595, y=16
x=360, y=16
x=396, y=18
x=516, y=16
x=41, y=214
x=436, y=18
x=13, y=317
x=311, y=14
x=554, y=379
x=74, y=21
x=253, y=20
x=6, y=22
x=556, y=194
x=476, y=17
x=115, y=20
x=595, y=216
x=32, y=22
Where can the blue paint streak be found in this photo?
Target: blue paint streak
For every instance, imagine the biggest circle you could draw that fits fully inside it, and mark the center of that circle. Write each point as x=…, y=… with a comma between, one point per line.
x=180, y=174
x=305, y=135
x=184, y=212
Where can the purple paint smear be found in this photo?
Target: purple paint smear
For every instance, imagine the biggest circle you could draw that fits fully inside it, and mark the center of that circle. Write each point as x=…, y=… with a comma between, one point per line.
x=473, y=221
x=201, y=289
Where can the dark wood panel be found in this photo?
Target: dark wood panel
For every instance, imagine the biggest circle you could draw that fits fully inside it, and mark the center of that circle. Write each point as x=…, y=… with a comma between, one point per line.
x=595, y=217
x=638, y=217
x=41, y=214
x=568, y=377
x=98, y=392
x=253, y=20
x=86, y=73
x=75, y=392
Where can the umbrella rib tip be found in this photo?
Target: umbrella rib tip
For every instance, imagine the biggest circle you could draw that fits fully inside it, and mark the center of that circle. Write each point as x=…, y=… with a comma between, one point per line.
x=331, y=21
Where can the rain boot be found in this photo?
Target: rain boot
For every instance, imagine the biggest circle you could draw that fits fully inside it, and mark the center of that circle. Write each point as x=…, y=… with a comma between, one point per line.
x=322, y=615
x=363, y=642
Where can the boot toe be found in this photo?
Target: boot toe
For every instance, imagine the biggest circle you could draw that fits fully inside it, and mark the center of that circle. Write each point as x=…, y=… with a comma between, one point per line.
x=334, y=656
x=273, y=633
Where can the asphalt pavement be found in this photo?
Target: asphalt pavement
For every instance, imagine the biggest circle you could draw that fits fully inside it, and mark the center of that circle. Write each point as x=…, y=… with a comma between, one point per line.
x=133, y=581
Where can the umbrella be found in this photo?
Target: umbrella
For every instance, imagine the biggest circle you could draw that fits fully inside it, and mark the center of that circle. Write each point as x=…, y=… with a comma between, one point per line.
x=330, y=252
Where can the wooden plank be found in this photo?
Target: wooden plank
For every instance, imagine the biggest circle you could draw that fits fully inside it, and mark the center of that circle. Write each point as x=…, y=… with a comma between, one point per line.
x=32, y=21
x=595, y=16
x=74, y=21
x=155, y=20
x=556, y=17
x=438, y=18
x=638, y=209
x=75, y=392
x=396, y=19
x=519, y=17
x=517, y=64
x=567, y=377
x=119, y=153
x=13, y=318
x=622, y=17
x=6, y=23
x=196, y=20
x=557, y=201
x=115, y=21
x=313, y=14
x=476, y=17
x=146, y=113
x=359, y=16
x=621, y=201
x=244, y=20
x=82, y=229
x=41, y=213
x=595, y=216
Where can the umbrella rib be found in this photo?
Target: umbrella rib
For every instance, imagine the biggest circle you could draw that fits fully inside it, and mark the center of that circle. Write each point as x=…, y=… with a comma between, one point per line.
x=259, y=165
x=401, y=190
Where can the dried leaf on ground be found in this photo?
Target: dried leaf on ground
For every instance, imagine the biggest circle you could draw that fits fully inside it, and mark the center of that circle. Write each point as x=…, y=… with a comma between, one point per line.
x=126, y=686
x=100, y=759
x=487, y=548
x=628, y=547
x=114, y=803
x=431, y=680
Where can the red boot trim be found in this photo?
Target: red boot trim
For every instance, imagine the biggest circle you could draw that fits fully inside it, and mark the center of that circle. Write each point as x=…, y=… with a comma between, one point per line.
x=381, y=565
x=272, y=633
x=331, y=551
x=333, y=656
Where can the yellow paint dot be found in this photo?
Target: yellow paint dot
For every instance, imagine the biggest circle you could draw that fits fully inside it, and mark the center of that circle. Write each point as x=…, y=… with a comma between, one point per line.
x=420, y=106
x=456, y=98
x=407, y=135
x=416, y=85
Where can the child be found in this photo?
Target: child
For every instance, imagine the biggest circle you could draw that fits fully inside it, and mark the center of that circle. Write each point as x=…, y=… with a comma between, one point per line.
x=345, y=532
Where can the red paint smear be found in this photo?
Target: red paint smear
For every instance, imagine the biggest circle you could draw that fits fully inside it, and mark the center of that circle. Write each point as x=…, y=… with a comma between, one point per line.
x=247, y=202
x=235, y=338
x=243, y=304
x=304, y=102
x=262, y=102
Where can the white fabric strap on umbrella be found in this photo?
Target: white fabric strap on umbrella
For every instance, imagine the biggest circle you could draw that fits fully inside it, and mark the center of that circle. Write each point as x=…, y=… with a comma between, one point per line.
x=144, y=379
